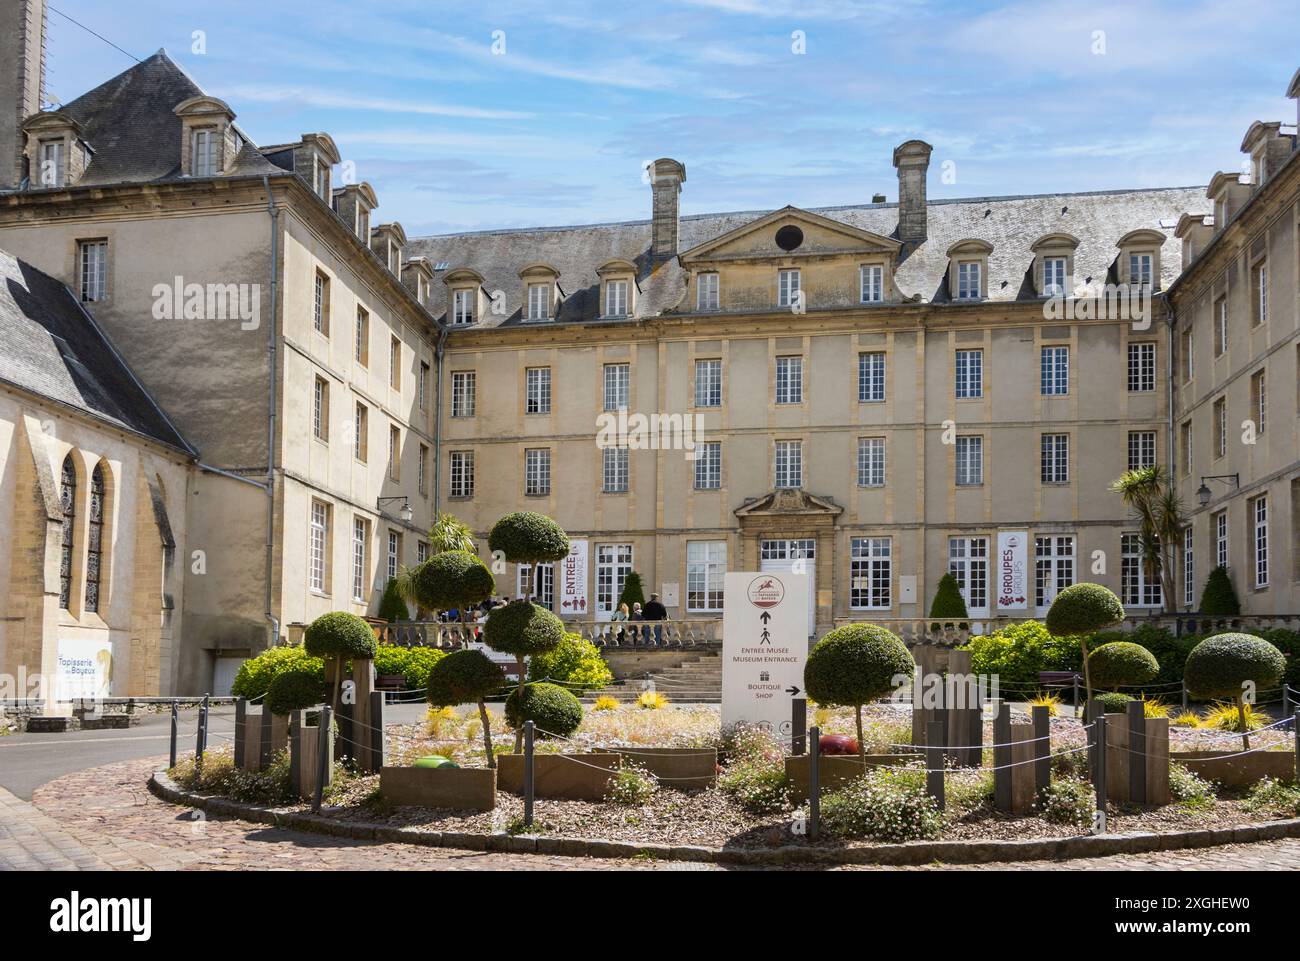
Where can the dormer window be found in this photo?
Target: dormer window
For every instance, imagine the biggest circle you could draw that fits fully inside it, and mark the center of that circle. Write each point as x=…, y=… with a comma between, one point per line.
x=1053, y=276
x=208, y=139
x=1140, y=258
x=539, y=302
x=322, y=178
x=55, y=153
x=394, y=258
x=1139, y=269
x=462, y=306
x=872, y=283
x=618, y=280
x=205, y=152
x=787, y=287
x=616, y=298
x=968, y=269
x=53, y=168
x=968, y=280
x=540, y=282
x=363, y=223
x=706, y=292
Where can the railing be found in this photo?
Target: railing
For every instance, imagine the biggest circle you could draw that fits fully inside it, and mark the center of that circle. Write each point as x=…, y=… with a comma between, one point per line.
x=629, y=634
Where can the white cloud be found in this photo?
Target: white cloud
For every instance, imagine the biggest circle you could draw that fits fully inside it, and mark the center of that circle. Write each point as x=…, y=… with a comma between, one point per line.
x=339, y=101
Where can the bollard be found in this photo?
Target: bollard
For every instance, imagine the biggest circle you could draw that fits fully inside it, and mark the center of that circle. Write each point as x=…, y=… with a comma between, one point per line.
x=199, y=733
x=376, y=730
x=1042, y=720
x=814, y=782
x=1099, y=772
x=175, y=724
x=934, y=738
x=1137, y=753
x=241, y=725
x=798, y=725
x=324, y=728
x=528, y=774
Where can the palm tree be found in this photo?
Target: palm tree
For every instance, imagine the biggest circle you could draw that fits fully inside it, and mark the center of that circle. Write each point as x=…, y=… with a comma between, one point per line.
x=447, y=533
x=1149, y=493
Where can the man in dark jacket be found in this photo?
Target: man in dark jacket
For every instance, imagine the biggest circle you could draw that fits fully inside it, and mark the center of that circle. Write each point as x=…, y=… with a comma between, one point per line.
x=654, y=610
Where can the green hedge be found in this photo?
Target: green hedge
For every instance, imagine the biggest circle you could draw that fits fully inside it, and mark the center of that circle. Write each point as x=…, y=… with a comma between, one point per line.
x=413, y=663
x=1018, y=652
x=256, y=673
x=576, y=664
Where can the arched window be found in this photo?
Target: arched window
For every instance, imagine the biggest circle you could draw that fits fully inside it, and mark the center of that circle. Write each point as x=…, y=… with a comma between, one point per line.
x=94, y=543
x=68, y=501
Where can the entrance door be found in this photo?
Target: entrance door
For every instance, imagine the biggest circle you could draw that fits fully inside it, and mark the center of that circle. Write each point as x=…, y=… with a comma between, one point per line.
x=224, y=670
x=968, y=562
x=778, y=557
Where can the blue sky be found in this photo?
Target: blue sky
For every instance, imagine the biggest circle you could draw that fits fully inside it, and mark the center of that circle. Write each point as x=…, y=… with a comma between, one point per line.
x=555, y=128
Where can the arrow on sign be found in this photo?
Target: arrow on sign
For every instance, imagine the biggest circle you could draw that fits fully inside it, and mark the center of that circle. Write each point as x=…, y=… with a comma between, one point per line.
x=792, y=690
x=765, y=616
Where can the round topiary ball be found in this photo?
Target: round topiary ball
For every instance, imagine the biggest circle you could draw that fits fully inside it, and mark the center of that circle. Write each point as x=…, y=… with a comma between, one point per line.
x=523, y=629
x=451, y=580
x=339, y=634
x=464, y=677
x=855, y=664
x=1219, y=666
x=1122, y=664
x=1082, y=609
x=529, y=537
x=553, y=710
x=294, y=690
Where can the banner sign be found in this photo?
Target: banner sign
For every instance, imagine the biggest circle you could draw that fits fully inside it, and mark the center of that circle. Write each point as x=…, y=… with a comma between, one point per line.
x=84, y=669
x=764, y=647
x=1013, y=570
x=573, y=581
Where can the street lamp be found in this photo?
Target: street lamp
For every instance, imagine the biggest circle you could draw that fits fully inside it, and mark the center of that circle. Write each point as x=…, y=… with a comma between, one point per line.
x=1203, y=492
x=404, y=511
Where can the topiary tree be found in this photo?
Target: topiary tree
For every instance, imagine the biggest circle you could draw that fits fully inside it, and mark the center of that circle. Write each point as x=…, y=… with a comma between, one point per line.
x=1122, y=664
x=336, y=638
x=295, y=689
x=552, y=709
x=632, y=592
x=855, y=664
x=1084, y=609
x=948, y=602
x=523, y=629
x=1228, y=665
x=452, y=580
x=467, y=676
x=391, y=606
x=1218, y=596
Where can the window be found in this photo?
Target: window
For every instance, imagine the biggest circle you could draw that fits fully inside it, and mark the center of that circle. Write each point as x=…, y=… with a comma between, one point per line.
x=462, y=305
x=708, y=465
x=461, y=473
x=970, y=374
x=53, y=167
x=872, y=283
x=1221, y=327
x=361, y=350
x=1138, y=586
x=1220, y=413
x=613, y=564
x=360, y=428
x=708, y=383
x=617, y=386
x=320, y=317
x=422, y=387
x=527, y=584
x=706, y=294
x=789, y=463
x=1053, y=568
x=394, y=363
x=968, y=280
x=318, y=546
x=1258, y=400
x=871, y=377
x=320, y=410
x=1056, y=459
x=422, y=470
x=1259, y=539
x=1141, y=367
x=68, y=507
x=95, y=539
x=616, y=298
x=462, y=393
x=787, y=288
x=1259, y=293
x=360, y=542
x=92, y=257
x=537, y=390
x=421, y=552
x=537, y=471
x=1189, y=570
x=615, y=470
x=1221, y=539
x=968, y=563
x=1053, y=276
x=871, y=462
x=394, y=553
x=1141, y=449
x=1187, y=447
x=1139, y=269
x=205, y=152
x=970, y=460
x=870, y=573
x=789, y=380
x=539, y=302
x=394, y=452
x=706, y=569
x=1186, y=365
x=1055, y=375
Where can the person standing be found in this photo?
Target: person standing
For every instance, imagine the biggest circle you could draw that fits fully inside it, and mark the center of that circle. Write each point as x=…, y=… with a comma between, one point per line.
x=655, y=611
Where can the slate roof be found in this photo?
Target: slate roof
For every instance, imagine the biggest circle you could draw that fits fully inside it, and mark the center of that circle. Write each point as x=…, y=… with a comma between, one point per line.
x=1011, y=224
x=51, y=347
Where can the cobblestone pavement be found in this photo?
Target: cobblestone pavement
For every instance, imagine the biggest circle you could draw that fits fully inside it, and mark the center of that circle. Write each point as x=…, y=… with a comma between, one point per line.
x=106, y=818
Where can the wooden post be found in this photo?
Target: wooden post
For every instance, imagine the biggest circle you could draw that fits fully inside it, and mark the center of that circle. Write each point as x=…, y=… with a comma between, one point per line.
x=1295, y=729
x=798, y=725
x=264, y=746
x=934, y=762
x=1001, y=755
x=175, y=724
x=1075, y=699
x=1137, y=753
x=1042, y=747
x=528, y=773
x=814, y=782
x=198, y=733
x=324, y=737
x=241, y=723
x=363, y=681
x=1099, y=771
x=295, y=747
x=377, y=747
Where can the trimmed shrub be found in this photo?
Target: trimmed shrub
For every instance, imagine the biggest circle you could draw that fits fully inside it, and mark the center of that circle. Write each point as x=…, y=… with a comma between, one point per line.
x=1220, y=665
x=529, y=538
x=855, y=664
x=1218, y=597
x=339, y=634
x=1018, y=652
x=885, y=804
x=391, y=606
x=553, y=710
x=1288, y=642
x=1169, y=651
x=295, y=690
x=574, y=661
x=633, y=592
x=1083, y=609
x=1122, y=664
x=948, y=602
x=256, y=673
x=464, y=677
x=452, y=580
x=523, y=629
x=1113, y=702
x=413, y=663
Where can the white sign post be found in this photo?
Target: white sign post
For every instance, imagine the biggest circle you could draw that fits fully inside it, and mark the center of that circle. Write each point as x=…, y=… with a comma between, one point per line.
x=573, y=581
x=1013, y=570
x=764, y=647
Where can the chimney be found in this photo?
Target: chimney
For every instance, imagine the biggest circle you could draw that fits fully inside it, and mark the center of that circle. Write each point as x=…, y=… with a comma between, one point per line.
x=877, y=198
x=666, y=178
x=912, y=160
x=22, y=80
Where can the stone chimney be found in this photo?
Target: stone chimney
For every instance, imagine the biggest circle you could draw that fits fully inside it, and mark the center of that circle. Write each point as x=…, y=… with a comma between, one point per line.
x=666, y=179
x=22, y=80
x=912, y=160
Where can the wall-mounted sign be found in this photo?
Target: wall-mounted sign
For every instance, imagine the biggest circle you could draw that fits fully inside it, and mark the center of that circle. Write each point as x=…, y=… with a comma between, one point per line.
x=670, y=594
x=1012, y=570
x=573, y=581
x=84, y=669
x=764, y=647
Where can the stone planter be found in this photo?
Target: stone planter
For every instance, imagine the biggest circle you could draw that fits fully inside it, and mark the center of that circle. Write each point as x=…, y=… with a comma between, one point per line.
x=836, y=770
x=572, y=777
x=459, y=788
x=1242, y=771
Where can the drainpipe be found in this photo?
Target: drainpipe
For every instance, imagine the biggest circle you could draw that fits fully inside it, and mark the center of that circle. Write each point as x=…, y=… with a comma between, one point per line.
x=438, y=354
x=1169, y=385
x=272, y=399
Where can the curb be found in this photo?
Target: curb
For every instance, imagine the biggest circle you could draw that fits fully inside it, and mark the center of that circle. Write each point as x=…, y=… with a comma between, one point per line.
x=909, y=853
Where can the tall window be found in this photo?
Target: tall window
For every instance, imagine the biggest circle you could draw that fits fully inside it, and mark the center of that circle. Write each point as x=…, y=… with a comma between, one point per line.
x=1189, y=570
x=1139, y=269
x=394, y=363
x=92, y=257
x=613, y=564
x=361, y=349
x=1141, y=449
x=394, y=553
x=1053, y=567
x=1142, y=367
x=787, y=288
x=616, y=298
x=871, y=462
x=789, y=380
x=528, y=587
x=537, y=390
x=317, y=546
x=1055, y=375
x=968, y=563
x=706, y=570
x=1258, y=400
x=970, y=460
x=1055, y=459
x=708, y=383
x=870, y=573
x=421, y=552
x=462, y=393
x=1220, y=414
x=618, y=379
x=1053, y=276
x=539, y=301
x=95, y=538
x=394, y=452
x=871, y=377
x=422, y=470
x=53, y=168
x=462, y=306
x=360, y=542
x=970, y=373
x=537, y=471
x=708, y=465
x=360, y=431
x=968, y=280
x=1221, y=539
x=205, y=152
x=706, y=293
x=1138, y=587
x=1259, y=293
x=789, y=463
x=1259, y=532
x=615, y=470
x=320, y=310
x=1186, y=362
x=320, y=410
x=872, y=284
x=68, y=506
x=1220, y=326
x=461, y=473
x=1186, y=430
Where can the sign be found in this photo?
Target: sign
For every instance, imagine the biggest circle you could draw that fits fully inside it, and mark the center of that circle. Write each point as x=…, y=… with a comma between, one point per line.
x=573, y=581
x=84, y=669
x=1013, y=570
x=670, y=594
x=764, y=647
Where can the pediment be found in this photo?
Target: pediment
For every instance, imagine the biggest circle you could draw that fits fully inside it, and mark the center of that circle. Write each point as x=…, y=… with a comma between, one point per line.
x=789, y=501
x=818, y=237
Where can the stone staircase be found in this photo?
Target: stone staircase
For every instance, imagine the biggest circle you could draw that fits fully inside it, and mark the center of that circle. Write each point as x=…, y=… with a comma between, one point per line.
x=695, y=678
